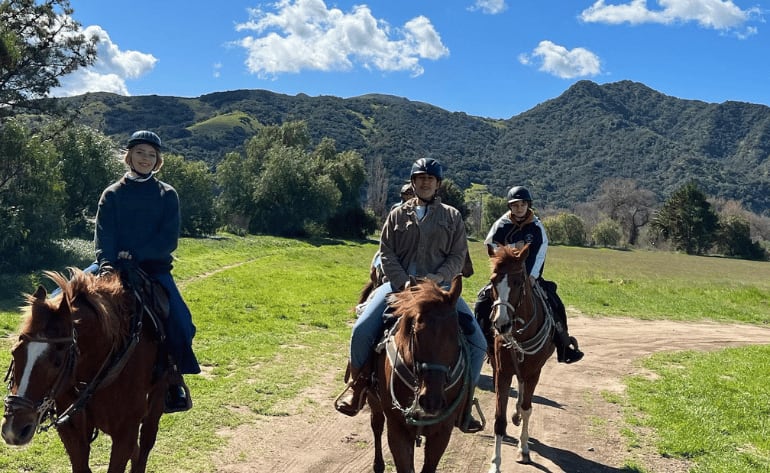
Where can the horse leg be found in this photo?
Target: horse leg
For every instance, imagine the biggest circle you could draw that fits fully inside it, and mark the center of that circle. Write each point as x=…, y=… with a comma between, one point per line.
x=76, y=443
x=401, y=443
x=377, y=421
x=503, y=380
x=435, y=446
x=124, y=448
x=523, y=412
x=149, y=430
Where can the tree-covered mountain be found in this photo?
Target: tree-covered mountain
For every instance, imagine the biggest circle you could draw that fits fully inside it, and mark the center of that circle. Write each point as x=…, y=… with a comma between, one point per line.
x=563, y=149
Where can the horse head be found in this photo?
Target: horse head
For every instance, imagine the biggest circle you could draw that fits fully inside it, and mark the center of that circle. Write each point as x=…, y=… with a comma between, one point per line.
x=428, y=341
x=511, y=289
x=42, y=365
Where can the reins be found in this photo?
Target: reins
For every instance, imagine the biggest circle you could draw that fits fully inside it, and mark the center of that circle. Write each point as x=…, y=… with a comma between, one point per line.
x=535, y=344
x=410, y=377
x=113, y=364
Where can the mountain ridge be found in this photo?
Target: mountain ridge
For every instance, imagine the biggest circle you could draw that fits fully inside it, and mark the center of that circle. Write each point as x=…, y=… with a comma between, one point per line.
x=563, y=148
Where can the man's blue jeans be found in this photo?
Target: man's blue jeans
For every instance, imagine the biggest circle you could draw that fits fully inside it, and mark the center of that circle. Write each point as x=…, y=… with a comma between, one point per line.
x=369, y=327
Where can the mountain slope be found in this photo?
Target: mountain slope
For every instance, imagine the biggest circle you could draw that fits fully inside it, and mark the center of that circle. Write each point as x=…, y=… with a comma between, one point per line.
x=563, y=149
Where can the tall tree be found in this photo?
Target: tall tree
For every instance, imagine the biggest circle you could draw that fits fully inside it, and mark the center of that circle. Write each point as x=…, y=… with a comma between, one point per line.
x=89, y=163
x=624, y=202
x=195, y=186
x=687, y=220
x=39, y=43
x=31, y=197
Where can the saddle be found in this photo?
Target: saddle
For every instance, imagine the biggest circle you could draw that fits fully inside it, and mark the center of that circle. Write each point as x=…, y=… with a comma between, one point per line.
x=150, y=296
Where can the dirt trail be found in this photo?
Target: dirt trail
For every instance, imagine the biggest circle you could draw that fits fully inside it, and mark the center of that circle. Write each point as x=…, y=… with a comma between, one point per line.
x=573, y=429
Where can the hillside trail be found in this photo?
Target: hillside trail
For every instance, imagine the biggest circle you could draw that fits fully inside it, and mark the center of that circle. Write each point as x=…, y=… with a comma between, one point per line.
x=573, y=427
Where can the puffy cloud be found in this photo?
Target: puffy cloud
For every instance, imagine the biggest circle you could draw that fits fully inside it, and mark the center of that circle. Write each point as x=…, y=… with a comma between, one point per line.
x=109, y=72
x=561, y=62
x=306, y=35
x=715, y=14
x=491, y=7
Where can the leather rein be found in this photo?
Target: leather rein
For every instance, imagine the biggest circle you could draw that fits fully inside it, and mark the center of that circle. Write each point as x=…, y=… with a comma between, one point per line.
x=410, y=377
x=512, y=340
x=112, y=366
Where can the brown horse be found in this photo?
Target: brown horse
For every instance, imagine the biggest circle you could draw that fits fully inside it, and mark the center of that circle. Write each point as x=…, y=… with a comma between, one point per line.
x=422, y=376
x=85, y=363
x=523, y=343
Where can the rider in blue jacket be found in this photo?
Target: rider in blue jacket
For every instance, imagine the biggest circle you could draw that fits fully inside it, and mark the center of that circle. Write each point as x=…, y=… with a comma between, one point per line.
x=138, y=220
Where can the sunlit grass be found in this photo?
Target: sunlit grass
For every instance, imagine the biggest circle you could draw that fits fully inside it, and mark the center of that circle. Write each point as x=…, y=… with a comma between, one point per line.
x=709, y=408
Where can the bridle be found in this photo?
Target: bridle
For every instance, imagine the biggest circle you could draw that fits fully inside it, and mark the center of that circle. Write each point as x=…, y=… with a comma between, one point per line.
x=512, y=340
x=412, y=376
x=45, y=408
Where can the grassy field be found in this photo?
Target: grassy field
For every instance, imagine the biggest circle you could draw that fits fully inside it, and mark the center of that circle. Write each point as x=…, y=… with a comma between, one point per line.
x=269, y=310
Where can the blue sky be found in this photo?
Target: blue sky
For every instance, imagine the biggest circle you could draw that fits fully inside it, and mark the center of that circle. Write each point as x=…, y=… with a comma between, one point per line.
x=487, y=58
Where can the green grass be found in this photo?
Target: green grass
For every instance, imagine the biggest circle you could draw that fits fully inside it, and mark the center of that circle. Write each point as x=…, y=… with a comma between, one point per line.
x=269, y=310
x=709, y=408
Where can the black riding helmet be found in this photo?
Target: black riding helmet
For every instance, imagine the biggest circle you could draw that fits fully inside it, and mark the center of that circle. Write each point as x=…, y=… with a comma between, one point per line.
x=144, y=136
x=518, y=193
x=427, y=166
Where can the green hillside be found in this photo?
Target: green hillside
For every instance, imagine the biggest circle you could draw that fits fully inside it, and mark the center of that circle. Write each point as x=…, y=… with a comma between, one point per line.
x=563, y=148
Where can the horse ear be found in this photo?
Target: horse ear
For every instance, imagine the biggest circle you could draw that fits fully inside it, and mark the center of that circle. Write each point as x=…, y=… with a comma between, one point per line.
x=412, y=281
x=64, y=307
x=456, y=289
x=40, y=293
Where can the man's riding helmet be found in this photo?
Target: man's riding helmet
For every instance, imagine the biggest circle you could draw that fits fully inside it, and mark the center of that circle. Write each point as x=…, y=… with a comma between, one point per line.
x=427, y=166
x=407, y=189
x=144, y=136
x=518, y=193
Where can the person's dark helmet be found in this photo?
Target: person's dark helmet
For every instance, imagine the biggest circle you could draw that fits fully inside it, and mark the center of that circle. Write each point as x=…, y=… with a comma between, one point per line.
x=144, y=136
x=427, y=166
x=518, y=193
x=406, y=189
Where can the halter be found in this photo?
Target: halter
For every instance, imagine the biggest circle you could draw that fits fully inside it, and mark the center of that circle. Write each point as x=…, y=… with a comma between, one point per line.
x=410, y=377
x=46, y=407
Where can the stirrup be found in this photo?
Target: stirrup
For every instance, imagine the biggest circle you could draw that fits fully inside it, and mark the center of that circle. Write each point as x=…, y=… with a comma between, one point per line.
x=355, y=406
x=469, y=424
x=572, y=355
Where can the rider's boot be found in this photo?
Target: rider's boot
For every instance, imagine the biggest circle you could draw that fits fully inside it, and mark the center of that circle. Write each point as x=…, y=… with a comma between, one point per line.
x=178, y=395
x=353, y=397
x=567, y=349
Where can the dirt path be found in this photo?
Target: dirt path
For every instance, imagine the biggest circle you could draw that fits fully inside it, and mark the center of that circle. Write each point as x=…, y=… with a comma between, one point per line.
x=573, y=429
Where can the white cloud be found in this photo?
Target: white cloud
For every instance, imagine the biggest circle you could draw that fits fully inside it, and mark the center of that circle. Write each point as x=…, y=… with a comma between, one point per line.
x=561, y=62
x=109, y=72
x=306, y=35
x=491, y=7
x=721, y=15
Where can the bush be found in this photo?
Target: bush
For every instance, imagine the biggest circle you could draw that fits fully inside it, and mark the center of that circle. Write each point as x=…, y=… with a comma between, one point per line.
x=607, y=233
x=565, y=229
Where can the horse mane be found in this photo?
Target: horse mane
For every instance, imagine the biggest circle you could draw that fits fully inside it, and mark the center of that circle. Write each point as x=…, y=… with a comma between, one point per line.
x=507, y=255
x=105, y=295
x=410, y=302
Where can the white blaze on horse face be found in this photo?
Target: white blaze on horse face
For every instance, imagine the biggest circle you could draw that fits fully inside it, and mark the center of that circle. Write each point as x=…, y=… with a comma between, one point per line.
x=501, y=317
x=35, y=352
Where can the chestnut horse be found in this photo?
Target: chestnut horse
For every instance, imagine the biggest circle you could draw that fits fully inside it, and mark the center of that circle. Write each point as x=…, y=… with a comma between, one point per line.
x=85, y=362
x=523, y=343
x=422, y=376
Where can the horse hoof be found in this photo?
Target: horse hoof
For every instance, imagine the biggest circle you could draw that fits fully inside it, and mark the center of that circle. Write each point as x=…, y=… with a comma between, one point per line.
x=516, y=419
x=523, y=458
